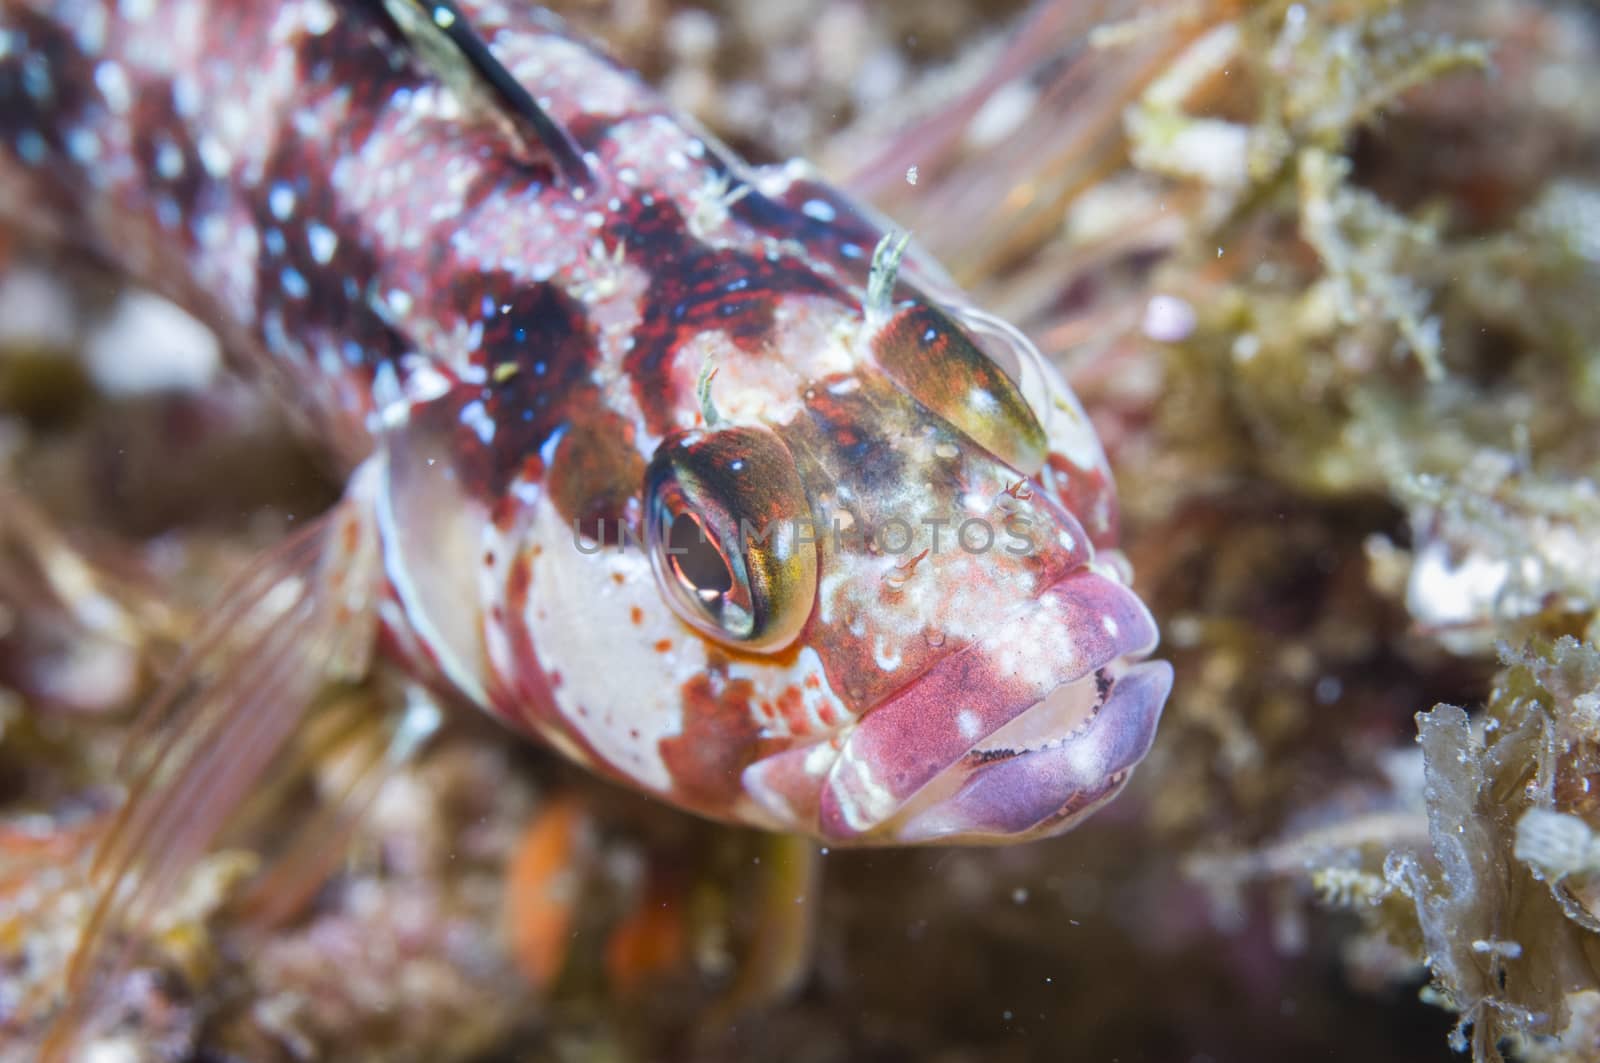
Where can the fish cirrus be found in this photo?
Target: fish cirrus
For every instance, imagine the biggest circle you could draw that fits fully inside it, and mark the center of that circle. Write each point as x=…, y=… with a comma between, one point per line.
x=688, y=468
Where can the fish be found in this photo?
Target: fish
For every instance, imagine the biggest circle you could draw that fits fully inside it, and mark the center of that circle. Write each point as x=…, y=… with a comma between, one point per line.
x=698, y=472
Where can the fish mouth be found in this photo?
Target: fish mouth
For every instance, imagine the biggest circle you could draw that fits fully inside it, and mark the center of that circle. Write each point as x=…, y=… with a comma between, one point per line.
x=1018, y=735
x=1010, y=788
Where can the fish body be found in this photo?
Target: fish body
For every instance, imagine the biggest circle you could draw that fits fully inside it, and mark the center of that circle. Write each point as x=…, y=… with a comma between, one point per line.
x=672, y=462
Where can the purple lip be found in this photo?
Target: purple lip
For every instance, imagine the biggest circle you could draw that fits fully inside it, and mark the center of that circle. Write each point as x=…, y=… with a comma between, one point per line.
x=1016, y=735
x=1011, y=794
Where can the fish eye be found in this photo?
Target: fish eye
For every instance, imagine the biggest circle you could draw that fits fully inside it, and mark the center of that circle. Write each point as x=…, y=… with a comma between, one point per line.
x=726, y=527
x=972, y=374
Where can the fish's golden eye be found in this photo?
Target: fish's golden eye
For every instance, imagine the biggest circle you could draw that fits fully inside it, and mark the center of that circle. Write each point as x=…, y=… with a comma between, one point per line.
x=727, y=525
x=942, y=365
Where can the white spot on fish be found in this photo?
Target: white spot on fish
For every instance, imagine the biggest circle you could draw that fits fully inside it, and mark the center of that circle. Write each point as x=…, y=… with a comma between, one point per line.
x=185, y=97
x=887, y=660
x=319, y=17
x=969, y=724
x=477, y=418
x=169, y=161
x=1109, y=622
x=819, y=758
x=112, y=82
x=91, y=30
x=399, y=301
x=911, y=175
x=426, y=384
x=214, y=157
x=819, y=210
x=212, y=230
x=83, y=145
x=323, y=241
x=135, y=10
x=236, y=122
x=294, y=283
x=281, y=201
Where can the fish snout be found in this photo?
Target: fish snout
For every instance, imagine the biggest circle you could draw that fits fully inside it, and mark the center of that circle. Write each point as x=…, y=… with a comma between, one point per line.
x=1019, y=734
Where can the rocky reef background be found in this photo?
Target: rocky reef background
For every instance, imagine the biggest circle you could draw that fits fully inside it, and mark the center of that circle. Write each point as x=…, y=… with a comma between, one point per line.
x=1327, y=276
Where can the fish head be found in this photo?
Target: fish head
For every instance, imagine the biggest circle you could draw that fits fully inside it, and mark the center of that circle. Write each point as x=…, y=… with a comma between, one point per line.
x=906, y=582
x=865, y=587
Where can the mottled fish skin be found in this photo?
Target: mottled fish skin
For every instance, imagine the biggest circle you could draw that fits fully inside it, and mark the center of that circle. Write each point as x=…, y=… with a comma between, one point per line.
x=505, y=350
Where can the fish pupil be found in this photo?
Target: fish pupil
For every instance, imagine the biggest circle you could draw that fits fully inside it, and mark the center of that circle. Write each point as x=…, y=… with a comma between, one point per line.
x=697, y=560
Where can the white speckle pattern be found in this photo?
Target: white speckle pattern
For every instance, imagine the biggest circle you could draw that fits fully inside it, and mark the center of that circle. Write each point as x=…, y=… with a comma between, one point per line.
x=83, y=145
x=475, y=417
x=322, y=241
x=281, y=201
x=112, y=82
x=294, y=283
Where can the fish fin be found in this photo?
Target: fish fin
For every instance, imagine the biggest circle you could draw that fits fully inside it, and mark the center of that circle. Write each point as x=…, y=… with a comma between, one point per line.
x=77, y=608
x=435, y=533
x=932, y=140
x=653, y=940
x=444, y=38
x=544, y=884
x=300, y=616
x=786, y=895
x=780, y=955
x=371, y=746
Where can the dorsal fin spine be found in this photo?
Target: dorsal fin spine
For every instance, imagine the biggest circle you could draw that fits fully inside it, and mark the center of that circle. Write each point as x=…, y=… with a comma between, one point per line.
x=446, y=18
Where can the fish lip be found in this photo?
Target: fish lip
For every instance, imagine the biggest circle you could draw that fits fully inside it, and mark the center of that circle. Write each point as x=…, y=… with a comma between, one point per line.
x=1034, y=793
x=923, y=747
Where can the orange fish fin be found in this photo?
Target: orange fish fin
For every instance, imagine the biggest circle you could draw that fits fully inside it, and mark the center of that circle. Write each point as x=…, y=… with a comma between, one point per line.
x=302, y=616
x=544, y=883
